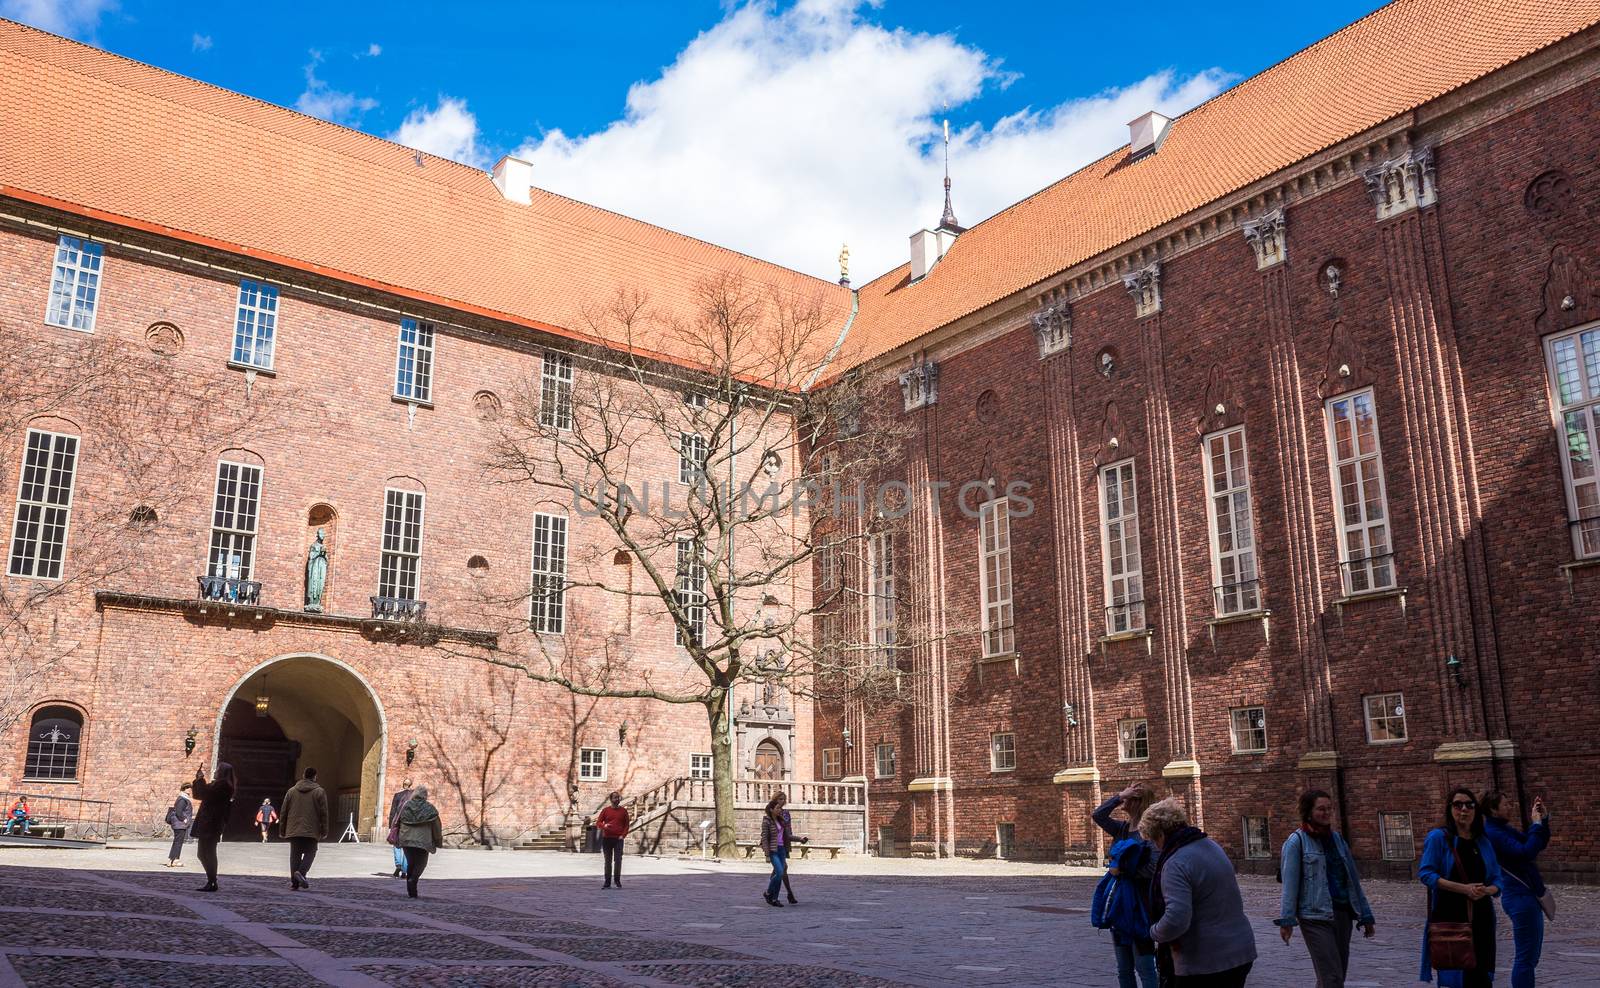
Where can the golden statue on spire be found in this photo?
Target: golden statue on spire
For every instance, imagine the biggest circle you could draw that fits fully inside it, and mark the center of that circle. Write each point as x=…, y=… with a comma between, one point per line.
x=844, y=263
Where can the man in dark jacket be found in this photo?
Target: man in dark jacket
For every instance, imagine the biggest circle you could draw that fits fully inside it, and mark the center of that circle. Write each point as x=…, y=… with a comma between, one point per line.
x=304, y=821
x=395, y=806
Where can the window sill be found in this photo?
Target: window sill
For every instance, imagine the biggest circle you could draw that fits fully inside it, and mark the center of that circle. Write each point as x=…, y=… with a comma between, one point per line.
x=1002, y=771
x=1147, y=634
x=1361, y=598
x=413, y=402
x=1133, y=761
x=1249, y=754
x=985, y=661
x=35, y=783
x=1389, y=741
x=263, y=371
x=70, y=329
x=1567, y=568
x=1259, y=614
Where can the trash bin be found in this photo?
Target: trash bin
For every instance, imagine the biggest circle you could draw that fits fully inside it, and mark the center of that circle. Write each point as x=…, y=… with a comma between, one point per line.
x=591, y=840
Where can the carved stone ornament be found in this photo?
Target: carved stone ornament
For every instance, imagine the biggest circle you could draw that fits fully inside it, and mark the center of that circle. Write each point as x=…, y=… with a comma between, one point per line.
x=1266, y=236
x=1332, y=277
x=1548, y=196
x=920, y=385
x=1571, y=294
x=1052, y=326
x=164, y=338
x=1220, y=408
x=1346, y=367
x=1114, y=442
x=487, y=405
x=988, y=407
x=1107, y=362
x=1144, y=285
x=1402, y=184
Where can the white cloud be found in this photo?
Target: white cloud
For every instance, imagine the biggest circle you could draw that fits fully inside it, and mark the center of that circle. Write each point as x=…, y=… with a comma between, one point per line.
x=73, y=18
x=448, y=130
x=374, y=49
x=202, y=42
x=783, y=133
x=321, y=100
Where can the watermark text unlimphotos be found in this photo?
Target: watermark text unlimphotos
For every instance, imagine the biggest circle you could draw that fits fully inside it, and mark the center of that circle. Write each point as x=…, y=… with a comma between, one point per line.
x=890, y=499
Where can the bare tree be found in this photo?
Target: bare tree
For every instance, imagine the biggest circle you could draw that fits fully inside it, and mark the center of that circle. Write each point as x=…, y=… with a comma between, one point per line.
x=467, y=738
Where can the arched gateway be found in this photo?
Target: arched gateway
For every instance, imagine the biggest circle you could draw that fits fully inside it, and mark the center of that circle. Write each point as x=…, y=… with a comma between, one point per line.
x=299, y=711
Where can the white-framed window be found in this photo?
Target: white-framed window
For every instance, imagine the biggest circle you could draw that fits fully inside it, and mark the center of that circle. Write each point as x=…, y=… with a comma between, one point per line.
x=994, y=550
x=235, y=513
x=1236, y=588
x=883, y=761
x=832, y=763
x=555, y=392
x=255, y=324
x=1248, y=725
x=1575, y=389
x=1119, y=542
x=413, y=369
x=882, y=609
x=1005, y=841
x=75, y=284
x=827, y=568
x=401, y=559
x=691, y=592
x=1394, y=831
x=1257, y=838
x=1385, y=717
x=1365, y=545
x=699, y=766
x=1133, y=740
x=693, y=454
x=44, y=505
x=591, y=764
x=548, y=610
x=1002, y=752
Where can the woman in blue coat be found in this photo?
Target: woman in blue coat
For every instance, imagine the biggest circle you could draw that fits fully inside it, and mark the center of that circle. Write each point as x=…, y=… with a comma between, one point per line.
x=1462, y=874
x=1516, y=852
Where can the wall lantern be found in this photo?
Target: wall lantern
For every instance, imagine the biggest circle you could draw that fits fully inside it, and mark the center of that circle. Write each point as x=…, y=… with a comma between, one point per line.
x=847, y=742
x=411, y=751
x=1454, y=665
x=188, y=742
x=1072, y=715
x=263, y=699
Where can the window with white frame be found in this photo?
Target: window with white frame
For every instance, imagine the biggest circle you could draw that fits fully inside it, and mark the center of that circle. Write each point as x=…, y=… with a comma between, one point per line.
x=1005, y=841
x=832, y=763
x=882, y=610
x=1257, y=839
x=1133, y=740
x=691, y=592
x=1002, y=752
x=1233, y=544
x=827, y=568
x=413, y=371
x=555, y=392
x=1385, y=716
x=235, y=511
x=75, y=284
x=1363, y=520
x=1249, y=729
x=1575, y=387
x=699, y=766
x=591, y=764
x=1394, y=831
x=1119, y=540
x=401, y=559
x=44, y=505
x=549, y=592
x=883, y=761
x=255, y=324
x=692, y=456
x=994, y=548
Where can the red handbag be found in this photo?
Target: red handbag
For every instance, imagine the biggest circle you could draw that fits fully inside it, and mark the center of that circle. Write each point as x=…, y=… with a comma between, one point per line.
x=1450, y=943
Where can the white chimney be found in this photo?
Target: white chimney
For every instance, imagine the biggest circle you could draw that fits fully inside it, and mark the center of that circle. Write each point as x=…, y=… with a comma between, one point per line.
x=927, y=247
x=1145, y=133
x=514, y=178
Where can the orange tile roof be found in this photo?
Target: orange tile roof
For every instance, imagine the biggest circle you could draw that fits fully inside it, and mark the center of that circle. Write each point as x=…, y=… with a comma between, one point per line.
x=105, y=136
x=1391, y=61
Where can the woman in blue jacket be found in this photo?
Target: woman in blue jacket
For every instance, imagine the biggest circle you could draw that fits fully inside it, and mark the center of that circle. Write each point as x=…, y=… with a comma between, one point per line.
x=1516, y=852
x=1135, y=958
x=1322, y=891
x=1462, y=874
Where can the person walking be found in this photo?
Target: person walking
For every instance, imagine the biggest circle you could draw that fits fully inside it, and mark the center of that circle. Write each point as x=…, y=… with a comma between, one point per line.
x=1136, y=956
x=1322, y=891
x=305, y=821
x=180, y=817
x=395, y=806
x=266, y=816
x=1462, y=873
x=420, y=835
x=775, y=844
x=1202, y=935
x=1524, y=895
x=19, y=813
x=613, y=825
x=216, y=802
x=788, y=833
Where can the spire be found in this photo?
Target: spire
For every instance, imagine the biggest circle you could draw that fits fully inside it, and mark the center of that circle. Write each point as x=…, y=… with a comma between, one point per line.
x=948, y=220
x=844, y=265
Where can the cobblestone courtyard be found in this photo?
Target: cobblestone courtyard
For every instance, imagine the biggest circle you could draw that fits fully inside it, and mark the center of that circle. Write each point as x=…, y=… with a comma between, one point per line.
x=114, y=917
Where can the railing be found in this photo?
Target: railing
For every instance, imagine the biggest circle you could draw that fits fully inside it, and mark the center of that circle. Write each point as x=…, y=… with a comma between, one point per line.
x=1368, y=574
x=230, y=590
x=79, y=819
x=1586, y=536
x=1237, y=598
x=399, y=609
x=1124, y=617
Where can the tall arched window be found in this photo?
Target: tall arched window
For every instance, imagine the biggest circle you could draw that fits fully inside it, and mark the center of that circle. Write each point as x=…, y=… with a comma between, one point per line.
x=53, y=744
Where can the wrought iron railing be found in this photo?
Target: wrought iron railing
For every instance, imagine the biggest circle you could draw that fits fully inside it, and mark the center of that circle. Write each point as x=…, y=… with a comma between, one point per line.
x=399, y=609
x=1125, y=617
x=65, y=816
x=1368, y=574
x=1239, y=597
x=230, y=590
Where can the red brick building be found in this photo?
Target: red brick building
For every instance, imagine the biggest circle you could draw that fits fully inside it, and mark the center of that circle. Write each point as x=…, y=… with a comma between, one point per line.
x=1299, y=382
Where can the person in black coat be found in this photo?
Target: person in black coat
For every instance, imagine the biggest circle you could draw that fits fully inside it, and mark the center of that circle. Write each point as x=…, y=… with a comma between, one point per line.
x=180, y=818
x=216, y=802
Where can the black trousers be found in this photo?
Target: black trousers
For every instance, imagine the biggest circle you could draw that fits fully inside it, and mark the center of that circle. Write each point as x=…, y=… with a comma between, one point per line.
x=302, y=851
x=206, y=851
x=1232, y=978
x=611, y=847
x=179, y=835
x=416, y=862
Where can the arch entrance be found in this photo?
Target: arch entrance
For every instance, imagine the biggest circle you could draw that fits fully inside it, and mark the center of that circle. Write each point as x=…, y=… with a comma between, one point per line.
x=297, y=712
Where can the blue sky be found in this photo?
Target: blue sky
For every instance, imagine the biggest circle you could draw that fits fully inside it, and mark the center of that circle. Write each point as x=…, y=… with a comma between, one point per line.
x=779, y=129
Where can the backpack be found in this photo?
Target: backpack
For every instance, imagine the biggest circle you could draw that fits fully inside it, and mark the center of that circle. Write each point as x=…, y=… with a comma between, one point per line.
x=1117, y=905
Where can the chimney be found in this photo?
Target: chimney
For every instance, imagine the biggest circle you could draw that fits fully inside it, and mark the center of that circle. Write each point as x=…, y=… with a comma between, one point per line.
x=1145, y=134
x=514, y=178
x=925, y=253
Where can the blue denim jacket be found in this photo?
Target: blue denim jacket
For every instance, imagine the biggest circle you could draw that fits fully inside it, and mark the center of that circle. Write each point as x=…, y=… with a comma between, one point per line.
x=1305, y=881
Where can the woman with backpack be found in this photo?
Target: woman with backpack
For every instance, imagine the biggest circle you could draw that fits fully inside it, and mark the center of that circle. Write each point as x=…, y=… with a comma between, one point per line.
x=1322, y=891
x=1462, y=874
x=1133, y=865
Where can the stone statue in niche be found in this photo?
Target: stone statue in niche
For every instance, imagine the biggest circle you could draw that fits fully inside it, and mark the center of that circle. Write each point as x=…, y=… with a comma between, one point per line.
x=316, y=573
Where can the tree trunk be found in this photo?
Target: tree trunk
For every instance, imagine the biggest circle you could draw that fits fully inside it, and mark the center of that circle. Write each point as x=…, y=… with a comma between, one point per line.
x=722, y=772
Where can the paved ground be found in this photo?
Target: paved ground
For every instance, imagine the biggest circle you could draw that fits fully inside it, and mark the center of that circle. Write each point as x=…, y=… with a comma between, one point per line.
x=114, y=917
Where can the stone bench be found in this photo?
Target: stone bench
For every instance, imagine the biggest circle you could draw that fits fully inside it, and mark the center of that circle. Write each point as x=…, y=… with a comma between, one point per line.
x=37, y=828
x=805, y=849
